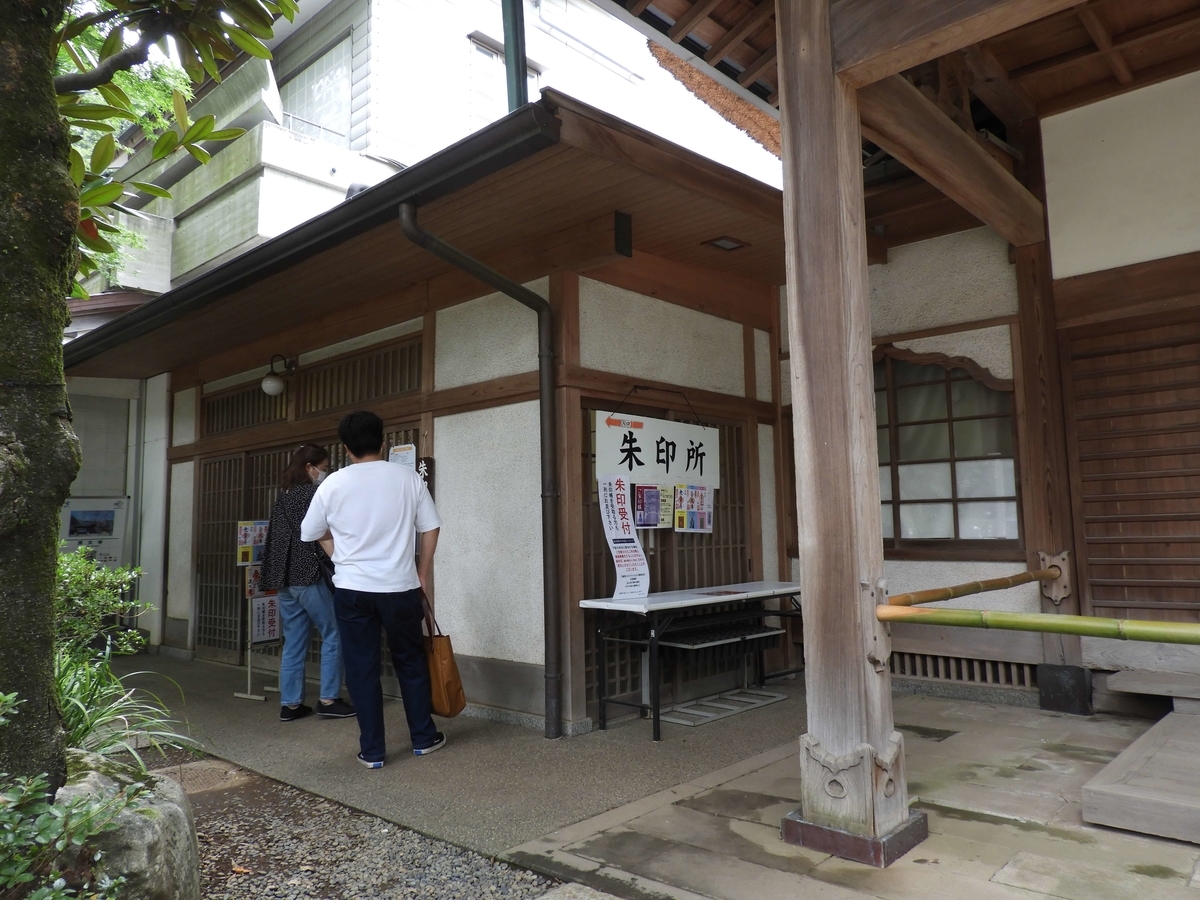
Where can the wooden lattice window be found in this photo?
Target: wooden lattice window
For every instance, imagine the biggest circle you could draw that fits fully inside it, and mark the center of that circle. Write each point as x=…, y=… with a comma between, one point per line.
x=947, y=460
x=242, y=407
x=380, y=372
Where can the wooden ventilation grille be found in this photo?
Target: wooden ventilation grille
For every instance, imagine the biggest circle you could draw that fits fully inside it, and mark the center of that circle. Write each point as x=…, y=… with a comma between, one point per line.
x=961, y=670
x=1134, y=431
x=242, y=408
x=384, y=372
x=219, y=604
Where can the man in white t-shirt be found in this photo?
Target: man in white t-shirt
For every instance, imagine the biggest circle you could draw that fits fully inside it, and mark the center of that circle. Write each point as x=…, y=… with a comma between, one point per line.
x=371, y=513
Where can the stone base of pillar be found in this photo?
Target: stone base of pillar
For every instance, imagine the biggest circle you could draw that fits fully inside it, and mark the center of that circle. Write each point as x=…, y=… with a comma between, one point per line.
x=1065, y=689
x=880, y=852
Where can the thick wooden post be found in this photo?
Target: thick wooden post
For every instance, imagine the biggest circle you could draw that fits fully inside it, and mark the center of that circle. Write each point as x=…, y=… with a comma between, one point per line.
x=855, y=800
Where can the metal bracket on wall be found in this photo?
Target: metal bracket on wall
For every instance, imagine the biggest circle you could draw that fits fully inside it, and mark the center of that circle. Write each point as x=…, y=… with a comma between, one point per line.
x=1060, y=588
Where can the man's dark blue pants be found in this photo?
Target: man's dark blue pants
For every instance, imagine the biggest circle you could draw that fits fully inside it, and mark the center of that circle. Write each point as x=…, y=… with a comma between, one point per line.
x=361, y=615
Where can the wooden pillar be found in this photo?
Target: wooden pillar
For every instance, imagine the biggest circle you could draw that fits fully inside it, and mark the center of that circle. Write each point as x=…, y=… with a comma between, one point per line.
x=855, y=799
x=1046, y=511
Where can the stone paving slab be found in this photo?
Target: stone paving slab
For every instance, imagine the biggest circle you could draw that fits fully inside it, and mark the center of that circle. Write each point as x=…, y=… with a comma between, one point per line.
x=1002, y=789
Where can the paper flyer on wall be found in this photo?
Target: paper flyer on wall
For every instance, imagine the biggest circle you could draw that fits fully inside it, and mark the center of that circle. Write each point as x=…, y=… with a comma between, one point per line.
x=405, y=454
x=616, y=511
x=654, y=505
x=251, y=537
x=693, y=508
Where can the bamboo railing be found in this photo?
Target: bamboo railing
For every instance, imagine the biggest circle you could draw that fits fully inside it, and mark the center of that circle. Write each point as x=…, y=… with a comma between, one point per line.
x=936, y=595
x=1086, y=626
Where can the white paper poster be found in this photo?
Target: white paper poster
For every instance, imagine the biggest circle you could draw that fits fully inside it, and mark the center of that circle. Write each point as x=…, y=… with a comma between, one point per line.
x=655, y=451
x=405, y=454
x=616, y=510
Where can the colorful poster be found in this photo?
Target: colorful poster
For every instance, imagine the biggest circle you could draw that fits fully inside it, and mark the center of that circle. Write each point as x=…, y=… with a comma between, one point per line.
x=656, y=451
x=616, y=511
x=251, y=537
x=405, y=454
x=693, y=508
x=654, y=505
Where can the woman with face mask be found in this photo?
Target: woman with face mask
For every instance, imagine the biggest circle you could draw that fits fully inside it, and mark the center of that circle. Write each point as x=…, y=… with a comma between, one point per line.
x=294, y=568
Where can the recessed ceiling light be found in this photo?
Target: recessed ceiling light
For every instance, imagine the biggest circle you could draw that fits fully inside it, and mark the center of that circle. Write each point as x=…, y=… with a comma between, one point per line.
x=727, y=243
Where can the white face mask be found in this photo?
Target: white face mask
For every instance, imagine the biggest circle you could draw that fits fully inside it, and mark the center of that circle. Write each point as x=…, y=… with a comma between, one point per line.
x=319, y=477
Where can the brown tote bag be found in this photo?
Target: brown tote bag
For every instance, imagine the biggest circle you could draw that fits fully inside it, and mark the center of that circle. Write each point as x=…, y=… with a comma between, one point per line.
x=448, y=697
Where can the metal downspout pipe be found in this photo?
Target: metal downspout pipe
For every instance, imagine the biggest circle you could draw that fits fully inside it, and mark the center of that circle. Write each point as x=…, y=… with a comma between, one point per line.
x=516, y=68
x=552, y=621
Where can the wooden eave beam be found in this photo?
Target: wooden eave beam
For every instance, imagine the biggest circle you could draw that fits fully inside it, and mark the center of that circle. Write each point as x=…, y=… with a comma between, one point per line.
x=873, y=39
x=896, y=116
x=1011, y=103
x=749, y=23
x=689, y=20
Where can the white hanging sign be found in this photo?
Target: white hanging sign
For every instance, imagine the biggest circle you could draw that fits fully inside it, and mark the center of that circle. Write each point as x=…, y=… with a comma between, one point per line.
x=655, y=451
x=616, y=510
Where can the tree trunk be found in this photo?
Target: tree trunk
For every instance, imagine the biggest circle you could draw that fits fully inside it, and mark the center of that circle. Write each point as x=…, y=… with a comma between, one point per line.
x=39, y=454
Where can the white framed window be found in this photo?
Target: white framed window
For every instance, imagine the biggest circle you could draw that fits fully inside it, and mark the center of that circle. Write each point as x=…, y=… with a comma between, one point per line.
x=316, y=100
x=489, y=81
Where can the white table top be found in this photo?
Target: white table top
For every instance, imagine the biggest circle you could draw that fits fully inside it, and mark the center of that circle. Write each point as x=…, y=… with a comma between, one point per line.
x=722, y=593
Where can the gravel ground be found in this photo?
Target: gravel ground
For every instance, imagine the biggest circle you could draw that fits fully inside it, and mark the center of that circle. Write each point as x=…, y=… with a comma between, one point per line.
x=263, y=839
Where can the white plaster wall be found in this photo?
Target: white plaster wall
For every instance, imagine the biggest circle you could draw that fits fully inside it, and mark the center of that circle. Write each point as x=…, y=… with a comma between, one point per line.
x=491, y=337
x=183, y=417
x=643, y=337
x=102, y=426
x=961, y=277
x=768, y=512
x=762, y=366
x=152, y=510
x=1122, y=185
x=179, y=549
x=990, y=347
x=81, y=386
x=785, y=382
x=905, y=575
x=488, y=568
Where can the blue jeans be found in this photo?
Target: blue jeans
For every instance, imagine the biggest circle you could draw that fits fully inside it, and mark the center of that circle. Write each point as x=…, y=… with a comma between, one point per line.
x=361, y=615
x=301, y=607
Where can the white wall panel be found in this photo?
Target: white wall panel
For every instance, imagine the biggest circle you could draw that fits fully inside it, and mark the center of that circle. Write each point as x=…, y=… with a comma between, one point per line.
x=488, y=568
x=180, y=567
x=1122, y=185
x=487, y=338
x=643, y=337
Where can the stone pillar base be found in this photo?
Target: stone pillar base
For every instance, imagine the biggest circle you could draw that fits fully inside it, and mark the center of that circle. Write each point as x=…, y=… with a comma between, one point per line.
x=880, y=852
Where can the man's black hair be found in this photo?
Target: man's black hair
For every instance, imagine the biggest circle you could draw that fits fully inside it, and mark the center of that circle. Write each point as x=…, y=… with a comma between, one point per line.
x=362, y=432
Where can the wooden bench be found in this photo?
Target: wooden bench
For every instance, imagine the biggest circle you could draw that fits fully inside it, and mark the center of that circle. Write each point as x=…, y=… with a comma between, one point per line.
x=1154, y=785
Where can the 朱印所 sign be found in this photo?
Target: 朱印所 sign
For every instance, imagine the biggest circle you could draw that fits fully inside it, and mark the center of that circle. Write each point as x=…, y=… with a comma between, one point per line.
x=655, y=451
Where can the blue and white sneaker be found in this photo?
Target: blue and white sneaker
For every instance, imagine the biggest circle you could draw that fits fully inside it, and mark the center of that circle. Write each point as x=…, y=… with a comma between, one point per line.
x=439, y=741
x=370, y=763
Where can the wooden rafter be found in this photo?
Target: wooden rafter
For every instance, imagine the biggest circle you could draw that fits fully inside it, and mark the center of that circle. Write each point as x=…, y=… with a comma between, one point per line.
x=1008, y=100
x=755, y=70
x=899, y=118
x=637, y=7
x=1121, y=42
x=689, y=20
x=1104, y=42
x=745, y=27
x=873, y=39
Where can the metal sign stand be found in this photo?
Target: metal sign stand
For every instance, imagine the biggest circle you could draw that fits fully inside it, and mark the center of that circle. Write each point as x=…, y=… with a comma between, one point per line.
x=249, y=694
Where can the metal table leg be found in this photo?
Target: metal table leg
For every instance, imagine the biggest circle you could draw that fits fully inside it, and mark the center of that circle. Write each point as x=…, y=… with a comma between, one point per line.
x=602, y=669
x=654, y=675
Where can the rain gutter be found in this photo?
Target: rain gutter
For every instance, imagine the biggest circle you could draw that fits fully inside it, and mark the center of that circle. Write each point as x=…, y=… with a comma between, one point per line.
x=549, y=445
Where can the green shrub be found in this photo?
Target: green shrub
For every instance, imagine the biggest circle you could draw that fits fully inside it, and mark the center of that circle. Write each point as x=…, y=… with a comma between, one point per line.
x=89, y=602
x=44, y=852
